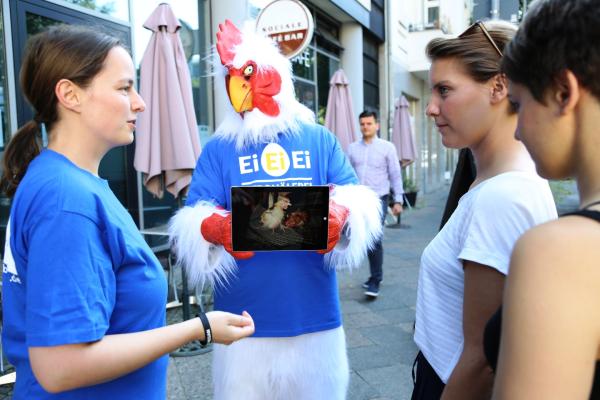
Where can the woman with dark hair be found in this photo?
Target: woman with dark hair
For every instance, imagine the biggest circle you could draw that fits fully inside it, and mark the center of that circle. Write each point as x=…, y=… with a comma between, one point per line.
x=463, y=268
x=83, y=295
x=550, y=346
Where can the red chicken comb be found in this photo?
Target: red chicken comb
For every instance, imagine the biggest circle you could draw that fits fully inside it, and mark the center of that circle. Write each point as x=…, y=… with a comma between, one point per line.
x=228, y=37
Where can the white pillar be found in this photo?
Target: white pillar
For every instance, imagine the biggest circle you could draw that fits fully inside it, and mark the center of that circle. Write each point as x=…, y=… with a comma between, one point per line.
x=352, y=62
x=237, y=12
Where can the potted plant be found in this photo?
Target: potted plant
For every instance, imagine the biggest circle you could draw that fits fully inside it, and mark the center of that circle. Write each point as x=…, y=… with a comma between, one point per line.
x=410, y=191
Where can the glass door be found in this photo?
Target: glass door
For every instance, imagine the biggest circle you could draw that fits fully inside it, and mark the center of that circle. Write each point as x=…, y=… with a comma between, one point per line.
x=33, y=16
x=29, y=17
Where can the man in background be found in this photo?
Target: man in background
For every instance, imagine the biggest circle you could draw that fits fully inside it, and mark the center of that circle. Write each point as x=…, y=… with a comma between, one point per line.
x=376, y=164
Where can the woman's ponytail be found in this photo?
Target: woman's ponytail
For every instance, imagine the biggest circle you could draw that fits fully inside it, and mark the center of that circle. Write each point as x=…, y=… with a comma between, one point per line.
x=22, y=148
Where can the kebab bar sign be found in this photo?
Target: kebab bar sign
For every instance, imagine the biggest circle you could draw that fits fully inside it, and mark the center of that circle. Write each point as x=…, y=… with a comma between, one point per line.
x=288, y=23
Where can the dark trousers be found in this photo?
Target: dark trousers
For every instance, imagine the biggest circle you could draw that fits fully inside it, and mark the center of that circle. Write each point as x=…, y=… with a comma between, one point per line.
x=428, y=385
x=376, y=253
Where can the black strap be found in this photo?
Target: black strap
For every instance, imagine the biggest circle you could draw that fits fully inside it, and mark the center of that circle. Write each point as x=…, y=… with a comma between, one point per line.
x=592, y=214
x=207, y=330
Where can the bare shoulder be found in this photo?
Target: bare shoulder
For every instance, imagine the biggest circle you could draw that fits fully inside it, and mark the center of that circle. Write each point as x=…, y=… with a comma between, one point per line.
x=551, y=312
x=562, y=257
x=572, y=236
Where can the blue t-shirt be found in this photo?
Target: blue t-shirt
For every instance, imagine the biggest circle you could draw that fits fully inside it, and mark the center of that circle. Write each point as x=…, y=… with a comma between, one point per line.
x=288, y=293
x=77, y=269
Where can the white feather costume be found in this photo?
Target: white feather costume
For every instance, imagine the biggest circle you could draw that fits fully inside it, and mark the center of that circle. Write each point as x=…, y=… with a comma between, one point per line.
x=298, y=349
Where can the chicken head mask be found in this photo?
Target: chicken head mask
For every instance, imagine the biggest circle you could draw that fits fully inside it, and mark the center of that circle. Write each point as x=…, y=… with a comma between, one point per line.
x=248, y=86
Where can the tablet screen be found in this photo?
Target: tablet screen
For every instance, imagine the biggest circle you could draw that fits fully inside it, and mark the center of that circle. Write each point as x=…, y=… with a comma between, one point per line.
x=267, y=218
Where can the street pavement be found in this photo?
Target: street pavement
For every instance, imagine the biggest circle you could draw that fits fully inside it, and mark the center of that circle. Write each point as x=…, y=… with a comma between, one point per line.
x=378, y=333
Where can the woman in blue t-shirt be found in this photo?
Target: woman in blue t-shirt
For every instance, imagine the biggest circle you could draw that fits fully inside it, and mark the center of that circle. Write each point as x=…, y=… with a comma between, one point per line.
x=84, y=296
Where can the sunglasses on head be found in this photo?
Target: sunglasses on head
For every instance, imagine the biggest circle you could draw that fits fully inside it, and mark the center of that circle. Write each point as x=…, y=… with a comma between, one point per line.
x=485, y=32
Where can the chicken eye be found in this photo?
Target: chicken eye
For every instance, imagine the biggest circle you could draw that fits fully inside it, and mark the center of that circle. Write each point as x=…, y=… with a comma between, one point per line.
x=248, y=70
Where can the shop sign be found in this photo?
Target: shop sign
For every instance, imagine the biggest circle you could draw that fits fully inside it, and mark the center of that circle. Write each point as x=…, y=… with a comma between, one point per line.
x=289, y=23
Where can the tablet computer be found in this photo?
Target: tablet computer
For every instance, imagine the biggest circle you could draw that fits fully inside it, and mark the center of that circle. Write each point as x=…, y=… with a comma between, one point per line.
x=267, y=218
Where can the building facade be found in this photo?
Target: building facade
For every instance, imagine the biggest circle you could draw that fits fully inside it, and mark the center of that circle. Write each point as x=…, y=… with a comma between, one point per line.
x=379, y=44
x=411, y=25
x=349, y=34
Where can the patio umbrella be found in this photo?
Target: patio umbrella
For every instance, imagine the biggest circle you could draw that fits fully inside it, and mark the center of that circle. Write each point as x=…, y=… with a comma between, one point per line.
x=402, y=133
x=339, y=117
x=167, y=142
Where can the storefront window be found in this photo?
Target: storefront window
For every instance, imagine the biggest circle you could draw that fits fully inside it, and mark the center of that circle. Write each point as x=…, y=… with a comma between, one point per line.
x=114, y=8
x=38, y=23
x=4, y=110
x=306, y=93
x=303, y=67
x=4, y=127
x=303, y=64
x=326, y=67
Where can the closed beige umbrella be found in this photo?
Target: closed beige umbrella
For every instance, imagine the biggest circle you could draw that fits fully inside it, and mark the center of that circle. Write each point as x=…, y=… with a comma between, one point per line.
x=403, y=136
x=167, y=142
x=339, y=117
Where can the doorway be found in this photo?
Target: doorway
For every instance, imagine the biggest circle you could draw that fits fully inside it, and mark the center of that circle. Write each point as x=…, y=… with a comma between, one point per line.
x=33, y=16
x=29, y=17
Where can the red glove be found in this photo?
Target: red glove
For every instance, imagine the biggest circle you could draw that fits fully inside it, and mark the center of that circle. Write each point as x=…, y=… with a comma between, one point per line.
x=337, y=218
x=217, y=229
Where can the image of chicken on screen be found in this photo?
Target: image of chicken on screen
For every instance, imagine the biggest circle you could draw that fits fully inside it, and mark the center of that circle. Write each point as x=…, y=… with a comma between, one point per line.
x=266, y=218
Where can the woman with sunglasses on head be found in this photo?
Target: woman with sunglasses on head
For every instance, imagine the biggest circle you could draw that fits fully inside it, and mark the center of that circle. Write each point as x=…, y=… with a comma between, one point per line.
x=550, y=345
x=83, y=295
x=463, y=268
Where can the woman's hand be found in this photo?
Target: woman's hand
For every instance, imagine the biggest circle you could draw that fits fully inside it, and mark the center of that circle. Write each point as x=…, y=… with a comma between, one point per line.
x=227, y=327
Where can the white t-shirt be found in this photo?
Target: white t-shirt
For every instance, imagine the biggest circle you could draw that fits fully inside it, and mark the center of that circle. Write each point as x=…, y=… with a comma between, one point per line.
x=484, y=228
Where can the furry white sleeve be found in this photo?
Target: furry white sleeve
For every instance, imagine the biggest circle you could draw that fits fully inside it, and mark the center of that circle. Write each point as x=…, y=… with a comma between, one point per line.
x=202, y=260
x=363, y=226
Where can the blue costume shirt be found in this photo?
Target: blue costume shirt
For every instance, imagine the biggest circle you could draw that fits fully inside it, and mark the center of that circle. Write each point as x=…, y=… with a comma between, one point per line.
x=77, y=269
x=288, y=293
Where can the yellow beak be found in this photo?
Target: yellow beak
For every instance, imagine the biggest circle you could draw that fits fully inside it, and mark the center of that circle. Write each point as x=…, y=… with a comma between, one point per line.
x=240, y=94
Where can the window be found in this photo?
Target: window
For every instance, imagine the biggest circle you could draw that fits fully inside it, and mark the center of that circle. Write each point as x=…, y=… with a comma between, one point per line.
x=326, y=67
x=433, y=16
x=113, y=8
x=303, y=68
x=4, y=110
x=370, y=74
x=4, y=127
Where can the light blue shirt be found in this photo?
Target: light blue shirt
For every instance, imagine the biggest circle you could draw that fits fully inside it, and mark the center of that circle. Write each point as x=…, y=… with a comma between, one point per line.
x=377, y=166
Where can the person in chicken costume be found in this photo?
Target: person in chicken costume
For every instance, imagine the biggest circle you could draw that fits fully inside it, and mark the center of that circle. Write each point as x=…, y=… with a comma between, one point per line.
x=269, y=139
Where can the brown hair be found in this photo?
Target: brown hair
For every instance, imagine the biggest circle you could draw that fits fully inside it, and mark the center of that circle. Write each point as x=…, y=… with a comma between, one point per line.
x=474, y=50
x=62, y=52
x=556, y=36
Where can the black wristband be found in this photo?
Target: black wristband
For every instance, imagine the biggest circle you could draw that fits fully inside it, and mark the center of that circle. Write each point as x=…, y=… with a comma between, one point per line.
x=207, y=330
